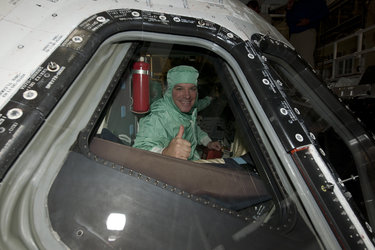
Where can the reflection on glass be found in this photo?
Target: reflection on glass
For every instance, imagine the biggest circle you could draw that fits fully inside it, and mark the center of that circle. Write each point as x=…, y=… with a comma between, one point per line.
x=116, y=221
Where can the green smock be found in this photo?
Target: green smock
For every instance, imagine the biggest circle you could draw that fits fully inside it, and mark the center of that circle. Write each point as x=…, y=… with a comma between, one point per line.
x=158, y=128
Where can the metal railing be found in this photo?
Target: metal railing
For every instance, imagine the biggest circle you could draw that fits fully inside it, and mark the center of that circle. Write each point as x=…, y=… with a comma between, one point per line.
x=346, y=57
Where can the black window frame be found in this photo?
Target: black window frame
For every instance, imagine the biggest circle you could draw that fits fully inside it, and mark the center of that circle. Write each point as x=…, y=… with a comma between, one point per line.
x=285, y=210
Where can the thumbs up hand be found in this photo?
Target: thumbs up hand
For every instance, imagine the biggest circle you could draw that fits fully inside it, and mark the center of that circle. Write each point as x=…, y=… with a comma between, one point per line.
x=178, y=147
x=180, y=132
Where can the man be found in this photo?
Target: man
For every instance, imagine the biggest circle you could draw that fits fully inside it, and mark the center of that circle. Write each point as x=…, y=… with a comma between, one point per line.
x=170, y=128
x=303, y=18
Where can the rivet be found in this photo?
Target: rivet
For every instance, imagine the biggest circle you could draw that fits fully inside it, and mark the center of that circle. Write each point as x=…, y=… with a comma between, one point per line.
x=77, y=39
x=79, y=233
x=283, y=111
x=135, y=14
x=100, y=19
x=15, y=113
x=30, y=94
x=266, y=81
x=53, y=67
x=299, y=137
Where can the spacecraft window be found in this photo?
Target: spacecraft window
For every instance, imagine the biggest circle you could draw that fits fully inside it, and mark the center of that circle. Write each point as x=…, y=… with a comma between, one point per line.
x=153, y=189
x=324, y=127
x=229, y=178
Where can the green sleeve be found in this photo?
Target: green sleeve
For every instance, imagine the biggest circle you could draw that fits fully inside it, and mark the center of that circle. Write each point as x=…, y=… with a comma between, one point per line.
x=152, y=133
x=203, y=138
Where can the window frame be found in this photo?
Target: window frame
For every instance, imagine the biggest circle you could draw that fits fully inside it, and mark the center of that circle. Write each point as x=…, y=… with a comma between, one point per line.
x=276, y=155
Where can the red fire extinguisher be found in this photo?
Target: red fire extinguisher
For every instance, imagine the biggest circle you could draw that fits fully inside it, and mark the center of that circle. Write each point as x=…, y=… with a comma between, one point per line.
x=141, y=87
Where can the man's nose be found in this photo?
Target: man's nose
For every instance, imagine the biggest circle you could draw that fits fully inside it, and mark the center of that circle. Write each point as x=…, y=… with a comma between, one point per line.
x=186, y=93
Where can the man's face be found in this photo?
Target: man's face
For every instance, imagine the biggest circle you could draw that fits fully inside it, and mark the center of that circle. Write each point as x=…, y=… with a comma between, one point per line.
x=184, y=95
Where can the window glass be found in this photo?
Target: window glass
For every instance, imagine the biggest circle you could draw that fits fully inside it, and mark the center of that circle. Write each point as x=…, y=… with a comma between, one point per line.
x=120, y=124
x=163, y=197
x=318, y=122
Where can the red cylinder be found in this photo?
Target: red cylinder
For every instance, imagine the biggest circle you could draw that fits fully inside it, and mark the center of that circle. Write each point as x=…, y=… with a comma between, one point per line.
x=141, y=87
